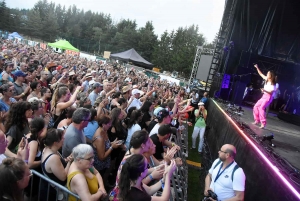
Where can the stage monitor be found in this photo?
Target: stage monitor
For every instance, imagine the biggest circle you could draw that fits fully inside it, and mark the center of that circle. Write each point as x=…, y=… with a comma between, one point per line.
x=203, y=68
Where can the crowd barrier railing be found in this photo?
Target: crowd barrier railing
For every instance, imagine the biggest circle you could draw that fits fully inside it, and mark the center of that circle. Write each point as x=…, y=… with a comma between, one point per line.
x=179, y=182
x=52, y=183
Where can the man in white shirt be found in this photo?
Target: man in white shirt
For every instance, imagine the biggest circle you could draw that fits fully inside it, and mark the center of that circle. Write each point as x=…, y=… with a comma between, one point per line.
x=135, y=102
x=225, y=178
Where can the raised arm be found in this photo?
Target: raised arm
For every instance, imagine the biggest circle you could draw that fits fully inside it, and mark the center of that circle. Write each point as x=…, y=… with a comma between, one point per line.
x=260, y=73
x=64, y=105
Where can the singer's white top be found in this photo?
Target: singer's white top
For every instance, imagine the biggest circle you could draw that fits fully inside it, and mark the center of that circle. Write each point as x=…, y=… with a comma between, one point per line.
x=269, y=87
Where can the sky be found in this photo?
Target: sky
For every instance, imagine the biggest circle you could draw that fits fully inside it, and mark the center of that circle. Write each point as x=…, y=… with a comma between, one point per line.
x=164, y=14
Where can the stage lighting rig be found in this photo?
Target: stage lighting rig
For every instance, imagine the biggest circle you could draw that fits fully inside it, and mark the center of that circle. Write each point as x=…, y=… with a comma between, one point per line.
x=269, y=138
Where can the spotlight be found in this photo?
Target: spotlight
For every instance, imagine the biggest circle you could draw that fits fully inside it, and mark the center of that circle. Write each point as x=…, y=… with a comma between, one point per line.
x=269, y=137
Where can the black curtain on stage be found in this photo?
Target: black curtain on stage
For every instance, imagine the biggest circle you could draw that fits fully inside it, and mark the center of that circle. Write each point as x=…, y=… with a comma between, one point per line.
x=269, y=28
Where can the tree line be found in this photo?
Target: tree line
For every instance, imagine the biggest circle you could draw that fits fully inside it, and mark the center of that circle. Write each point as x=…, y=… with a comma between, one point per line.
x=96, y=32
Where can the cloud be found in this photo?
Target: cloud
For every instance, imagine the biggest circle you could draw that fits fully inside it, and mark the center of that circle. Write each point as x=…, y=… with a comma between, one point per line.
x=165, y=14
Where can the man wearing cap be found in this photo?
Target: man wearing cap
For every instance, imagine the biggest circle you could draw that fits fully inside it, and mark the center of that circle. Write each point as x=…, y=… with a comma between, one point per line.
x=126, y=92
x=85, y=84
x=20, y=88
x=95, y=93
x=200, y=126
x=164, y=117
x=136, y=102
x=59, y=69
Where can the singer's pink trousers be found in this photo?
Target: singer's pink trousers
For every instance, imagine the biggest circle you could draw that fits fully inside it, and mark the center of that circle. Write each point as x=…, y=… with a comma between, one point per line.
x=259, y=112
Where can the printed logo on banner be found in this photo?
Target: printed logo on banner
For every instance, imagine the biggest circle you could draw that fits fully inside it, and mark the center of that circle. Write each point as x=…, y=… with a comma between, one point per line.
x=226, y=81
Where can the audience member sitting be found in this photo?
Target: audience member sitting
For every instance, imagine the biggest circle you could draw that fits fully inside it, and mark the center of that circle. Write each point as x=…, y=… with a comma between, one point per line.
x=83, y=179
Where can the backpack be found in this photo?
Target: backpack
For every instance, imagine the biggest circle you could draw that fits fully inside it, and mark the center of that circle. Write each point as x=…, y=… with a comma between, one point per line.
x=234, y=169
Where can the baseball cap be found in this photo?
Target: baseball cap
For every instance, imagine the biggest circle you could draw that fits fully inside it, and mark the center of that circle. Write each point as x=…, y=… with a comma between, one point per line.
x=164, y=130
x=19, y=74
x=97, y=84
x=34, y=99
x=58, y=68
x=163, y=113
x=200, y=103
x=93, y=71
x=54, y=72
x=155, y=112
x=136, y=91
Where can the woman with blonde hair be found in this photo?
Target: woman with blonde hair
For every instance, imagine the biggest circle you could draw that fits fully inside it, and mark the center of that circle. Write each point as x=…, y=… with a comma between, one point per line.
x=61, y=100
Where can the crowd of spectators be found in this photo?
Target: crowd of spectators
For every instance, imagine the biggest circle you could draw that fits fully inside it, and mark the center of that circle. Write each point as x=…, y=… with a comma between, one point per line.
x=99, y=129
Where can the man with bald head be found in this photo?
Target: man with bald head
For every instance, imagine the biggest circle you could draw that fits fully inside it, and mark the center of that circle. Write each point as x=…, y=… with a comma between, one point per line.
x=225, y=178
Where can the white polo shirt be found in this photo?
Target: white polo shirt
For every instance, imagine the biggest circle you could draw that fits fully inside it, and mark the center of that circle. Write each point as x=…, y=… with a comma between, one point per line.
x=224, y=187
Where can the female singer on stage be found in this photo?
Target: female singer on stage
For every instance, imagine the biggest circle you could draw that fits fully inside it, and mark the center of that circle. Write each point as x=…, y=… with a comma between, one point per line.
x=260, y=106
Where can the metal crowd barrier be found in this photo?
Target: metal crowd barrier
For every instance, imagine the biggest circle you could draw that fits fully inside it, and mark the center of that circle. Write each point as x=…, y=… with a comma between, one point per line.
x=179, y=181
x=52, y=183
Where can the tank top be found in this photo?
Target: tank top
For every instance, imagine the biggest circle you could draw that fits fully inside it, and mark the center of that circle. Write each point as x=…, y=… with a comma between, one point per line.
x=51, y=175
x=92, y=184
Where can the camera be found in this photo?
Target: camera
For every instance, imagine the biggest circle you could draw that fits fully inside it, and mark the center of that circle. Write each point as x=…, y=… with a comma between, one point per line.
x=211, y=194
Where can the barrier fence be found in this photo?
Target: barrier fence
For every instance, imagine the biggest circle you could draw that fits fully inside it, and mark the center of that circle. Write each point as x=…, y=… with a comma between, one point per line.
x=50, y=183
x=179, y=181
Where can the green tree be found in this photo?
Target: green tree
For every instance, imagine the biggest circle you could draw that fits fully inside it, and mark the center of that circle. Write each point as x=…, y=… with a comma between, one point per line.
x=147, y=41
x=33, y=24
x=4, y=16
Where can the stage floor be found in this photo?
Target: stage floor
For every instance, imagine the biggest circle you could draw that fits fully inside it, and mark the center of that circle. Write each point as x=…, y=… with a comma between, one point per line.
x=286, y=135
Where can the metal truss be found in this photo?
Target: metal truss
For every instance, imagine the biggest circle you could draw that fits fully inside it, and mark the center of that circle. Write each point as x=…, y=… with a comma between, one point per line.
x=200, y=51
x=222, y=41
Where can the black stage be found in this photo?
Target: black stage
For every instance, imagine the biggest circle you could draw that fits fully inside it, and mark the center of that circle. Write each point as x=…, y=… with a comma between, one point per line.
x=272, y=172
x=286, y=135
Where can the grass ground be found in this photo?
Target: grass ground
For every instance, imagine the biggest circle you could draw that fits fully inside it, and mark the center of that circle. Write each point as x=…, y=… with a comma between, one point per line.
x=195, y=186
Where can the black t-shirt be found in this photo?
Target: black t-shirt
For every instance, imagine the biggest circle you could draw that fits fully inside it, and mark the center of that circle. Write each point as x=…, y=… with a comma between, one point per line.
x=151, y=125
x=159, y=149
x=146, y=117
x=16, y=135
x=136, y=194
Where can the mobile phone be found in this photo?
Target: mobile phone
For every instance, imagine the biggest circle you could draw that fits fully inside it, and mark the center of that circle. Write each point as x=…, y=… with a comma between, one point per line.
x=120, y=142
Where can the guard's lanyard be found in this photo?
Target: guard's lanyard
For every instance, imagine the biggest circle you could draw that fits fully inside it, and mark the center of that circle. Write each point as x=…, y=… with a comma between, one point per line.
x=219, y=173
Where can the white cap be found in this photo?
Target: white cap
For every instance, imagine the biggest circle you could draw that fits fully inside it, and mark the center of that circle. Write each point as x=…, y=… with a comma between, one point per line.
x=200, y=103
x=136, y=91
x=157, y=110
x=93, y=71
x=34, y=99
x=91, y=82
